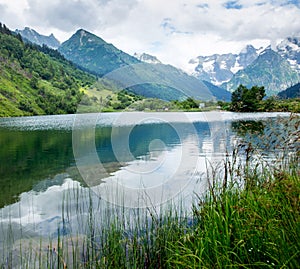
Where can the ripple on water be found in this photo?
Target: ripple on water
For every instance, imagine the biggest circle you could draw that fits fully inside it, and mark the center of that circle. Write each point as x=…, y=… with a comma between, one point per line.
x=67, y=122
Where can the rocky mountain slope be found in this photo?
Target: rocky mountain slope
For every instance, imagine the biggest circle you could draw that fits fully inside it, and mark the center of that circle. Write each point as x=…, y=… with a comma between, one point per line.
x=36, y=38
x=220, y=68
x=289, y=49
x=279, y=67
x=269, y=70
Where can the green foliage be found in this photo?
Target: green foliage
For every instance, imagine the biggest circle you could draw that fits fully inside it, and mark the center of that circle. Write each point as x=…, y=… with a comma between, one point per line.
x=124, y=100
x=287, y=105
x=255, y=228
x=247, y=100
x=37, y=80
x=188, y=103
x=4, y=29
x=224, y=105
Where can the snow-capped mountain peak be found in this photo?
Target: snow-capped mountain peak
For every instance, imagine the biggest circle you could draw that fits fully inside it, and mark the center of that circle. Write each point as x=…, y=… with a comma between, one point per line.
x=36, y=38
x=147, y=58
x=219, y=68
x=289, y=49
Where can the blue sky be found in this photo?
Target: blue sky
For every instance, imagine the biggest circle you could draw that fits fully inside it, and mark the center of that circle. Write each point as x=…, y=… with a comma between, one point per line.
x=173, y=30
x=232, y=5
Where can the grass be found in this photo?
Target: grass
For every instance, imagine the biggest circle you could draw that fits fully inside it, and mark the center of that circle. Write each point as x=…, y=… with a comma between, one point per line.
x=249, y=219
x=258, y=227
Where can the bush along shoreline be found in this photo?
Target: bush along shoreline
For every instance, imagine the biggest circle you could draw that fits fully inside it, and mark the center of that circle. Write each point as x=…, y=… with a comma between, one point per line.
x=249, y=218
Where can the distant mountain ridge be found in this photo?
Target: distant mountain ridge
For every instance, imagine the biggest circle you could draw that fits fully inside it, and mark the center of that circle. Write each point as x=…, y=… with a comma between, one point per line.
x=252, y=66
x=36, y=38
x=220, y=68
x=152, y=78
x=217, y=92
x=269, y=70
x=274, y=69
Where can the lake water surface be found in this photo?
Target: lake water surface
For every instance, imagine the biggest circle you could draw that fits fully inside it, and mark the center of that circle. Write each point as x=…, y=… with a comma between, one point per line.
x=128, y=159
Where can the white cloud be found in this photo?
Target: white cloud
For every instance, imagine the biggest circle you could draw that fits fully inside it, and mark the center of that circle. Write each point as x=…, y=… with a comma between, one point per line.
x=175, y=31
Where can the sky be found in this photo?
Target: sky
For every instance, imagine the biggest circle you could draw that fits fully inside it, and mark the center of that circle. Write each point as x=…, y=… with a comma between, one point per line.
x=173, y=30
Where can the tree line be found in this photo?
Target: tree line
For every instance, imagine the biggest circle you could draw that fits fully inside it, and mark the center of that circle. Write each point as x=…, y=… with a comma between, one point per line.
x=255, y=100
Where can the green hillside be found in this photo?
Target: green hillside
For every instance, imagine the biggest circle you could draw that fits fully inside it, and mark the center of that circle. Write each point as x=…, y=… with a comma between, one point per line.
x=94, y=54
x=37, y=80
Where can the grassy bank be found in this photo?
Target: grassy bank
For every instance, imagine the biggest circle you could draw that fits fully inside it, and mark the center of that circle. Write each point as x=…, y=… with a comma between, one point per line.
x=258, y=227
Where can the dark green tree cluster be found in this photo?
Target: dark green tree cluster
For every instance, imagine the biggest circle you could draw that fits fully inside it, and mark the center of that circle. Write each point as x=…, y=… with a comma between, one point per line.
x=187, y=104
x=125, y=99
x=4, y=29
x=247, y=100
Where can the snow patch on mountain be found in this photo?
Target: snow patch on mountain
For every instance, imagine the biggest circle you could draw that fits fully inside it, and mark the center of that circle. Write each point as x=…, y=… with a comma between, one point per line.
x=36, y=38
x=289, y=49
x=237, y=67
x=220, y=68
x=147, y=58
x=208, y=66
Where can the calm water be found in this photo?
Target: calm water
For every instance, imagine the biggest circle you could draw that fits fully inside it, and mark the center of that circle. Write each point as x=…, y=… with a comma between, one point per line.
x=131, y=159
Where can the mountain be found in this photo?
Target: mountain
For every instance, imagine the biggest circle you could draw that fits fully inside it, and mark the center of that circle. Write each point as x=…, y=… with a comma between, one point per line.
x=220, y=68
x=147, y=58
x=36, y=38
x=269, y=70
x=217, y=92
x=93, y=53
x=127, y=72
x=252, y=67
x=37, y=80
x=289, y=49
x=291, y=92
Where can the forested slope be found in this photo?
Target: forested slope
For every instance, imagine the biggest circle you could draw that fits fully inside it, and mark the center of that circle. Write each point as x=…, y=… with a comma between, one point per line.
x=37, y=80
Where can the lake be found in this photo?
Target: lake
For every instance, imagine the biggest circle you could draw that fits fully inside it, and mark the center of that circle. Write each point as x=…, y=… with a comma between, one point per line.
x=136, y=160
